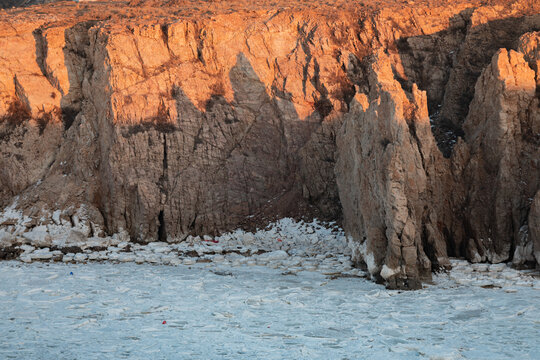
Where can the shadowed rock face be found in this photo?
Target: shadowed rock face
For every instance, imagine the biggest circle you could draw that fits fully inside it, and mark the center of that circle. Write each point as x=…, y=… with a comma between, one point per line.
x=172, y=121
x=387, y=176
x=500, y=158
x=410, y=206
x=211, y=169
x=179, y=128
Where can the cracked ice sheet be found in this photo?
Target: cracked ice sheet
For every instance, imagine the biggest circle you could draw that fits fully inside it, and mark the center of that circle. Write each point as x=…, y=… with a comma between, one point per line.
x=116, y=311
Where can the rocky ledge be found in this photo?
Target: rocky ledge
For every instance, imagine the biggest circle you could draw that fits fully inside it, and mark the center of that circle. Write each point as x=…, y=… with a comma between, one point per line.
x=414, y=125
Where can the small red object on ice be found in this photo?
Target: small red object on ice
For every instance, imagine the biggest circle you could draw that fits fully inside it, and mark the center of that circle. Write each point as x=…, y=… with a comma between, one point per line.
x=164, y=322
x=279, y=240
x=215, y=241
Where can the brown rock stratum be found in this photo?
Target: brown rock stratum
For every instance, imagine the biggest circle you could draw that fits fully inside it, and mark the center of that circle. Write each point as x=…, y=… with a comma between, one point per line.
x=417, y=123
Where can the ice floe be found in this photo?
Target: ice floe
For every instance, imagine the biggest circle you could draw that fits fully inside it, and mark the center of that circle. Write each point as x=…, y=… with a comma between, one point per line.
x=107, y=310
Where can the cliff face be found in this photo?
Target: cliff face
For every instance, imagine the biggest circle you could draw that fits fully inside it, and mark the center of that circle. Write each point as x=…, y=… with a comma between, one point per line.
x=500, y=158
x=184, y=127
x=199, y=118
x=410, y=206
x=389, y=171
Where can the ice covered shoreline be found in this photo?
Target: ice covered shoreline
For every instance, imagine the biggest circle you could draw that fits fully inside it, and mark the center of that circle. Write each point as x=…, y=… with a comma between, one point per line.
x=69, y=236
x=288, y=245
x=287, y=291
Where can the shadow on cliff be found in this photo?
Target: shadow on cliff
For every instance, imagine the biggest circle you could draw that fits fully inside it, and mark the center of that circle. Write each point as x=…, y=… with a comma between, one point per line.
x=242, y=163
x=447, y=65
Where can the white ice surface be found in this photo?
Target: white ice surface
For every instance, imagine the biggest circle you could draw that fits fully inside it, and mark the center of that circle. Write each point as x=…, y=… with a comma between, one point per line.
x=115, y=311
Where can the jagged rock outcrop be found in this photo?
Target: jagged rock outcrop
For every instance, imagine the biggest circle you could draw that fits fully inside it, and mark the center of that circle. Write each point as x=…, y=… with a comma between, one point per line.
x=386, y=172
x=500, y=160
x=407, y=206
x=489, y=29
x=202, y=117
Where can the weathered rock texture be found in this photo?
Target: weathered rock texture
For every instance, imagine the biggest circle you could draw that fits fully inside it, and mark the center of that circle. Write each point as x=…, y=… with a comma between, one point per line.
x=196, y=118
x=388, y=177
x=411, y=207
x=500, y=160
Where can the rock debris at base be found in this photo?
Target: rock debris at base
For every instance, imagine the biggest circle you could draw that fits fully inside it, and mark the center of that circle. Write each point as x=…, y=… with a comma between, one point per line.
x=287, y=244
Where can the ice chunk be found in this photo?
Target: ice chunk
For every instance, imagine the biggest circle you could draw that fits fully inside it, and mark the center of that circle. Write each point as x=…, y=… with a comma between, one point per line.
x=273, y=255
x=80, y=257
x=41, y=254
x=387, y=272
x=38, y=236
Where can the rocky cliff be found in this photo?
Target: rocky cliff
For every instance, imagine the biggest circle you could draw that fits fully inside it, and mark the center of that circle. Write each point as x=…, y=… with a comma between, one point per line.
x=416, y=123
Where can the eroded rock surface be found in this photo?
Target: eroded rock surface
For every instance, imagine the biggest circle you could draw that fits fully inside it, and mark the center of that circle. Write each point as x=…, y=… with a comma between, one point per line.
x=161, y=122
x=386, y=174
x=500, y=158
